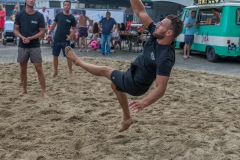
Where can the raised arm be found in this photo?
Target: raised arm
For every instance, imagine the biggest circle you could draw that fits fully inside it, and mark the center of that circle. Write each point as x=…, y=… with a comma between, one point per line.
x=140, y=11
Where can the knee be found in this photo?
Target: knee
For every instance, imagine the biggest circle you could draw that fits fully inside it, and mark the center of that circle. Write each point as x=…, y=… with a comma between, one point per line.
x=38, y=69
x=23, y=70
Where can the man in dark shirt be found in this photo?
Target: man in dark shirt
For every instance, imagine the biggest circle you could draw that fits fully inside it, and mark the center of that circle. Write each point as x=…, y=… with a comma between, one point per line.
x=153, y=63
x=29, y=26
x=65, y=22
x=161, y=18
x=106, y=27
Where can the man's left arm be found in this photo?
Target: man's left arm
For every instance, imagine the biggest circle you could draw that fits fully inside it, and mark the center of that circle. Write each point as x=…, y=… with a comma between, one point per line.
x=73, y=30
x=154, y=95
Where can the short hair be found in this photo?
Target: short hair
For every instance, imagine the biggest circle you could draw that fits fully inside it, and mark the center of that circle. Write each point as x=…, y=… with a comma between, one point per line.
x=193, y=11
x=215, y=9
x=83, y=11
x=176, y=24
x=108, y=12
x=67, y=2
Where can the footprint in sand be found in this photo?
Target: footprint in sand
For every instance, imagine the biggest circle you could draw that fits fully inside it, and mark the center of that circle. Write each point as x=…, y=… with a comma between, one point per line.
x=88, y=111
x=50, y=111
x=78, y=144
x=104, y=114
x=29, y=101
x=89, y=99
x=5, y=113
x=75, y=119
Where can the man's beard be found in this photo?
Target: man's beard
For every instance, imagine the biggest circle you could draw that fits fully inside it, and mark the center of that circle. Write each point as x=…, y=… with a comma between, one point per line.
x=158, y=35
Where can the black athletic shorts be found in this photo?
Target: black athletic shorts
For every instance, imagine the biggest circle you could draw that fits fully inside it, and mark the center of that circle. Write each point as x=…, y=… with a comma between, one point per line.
x=124, y=82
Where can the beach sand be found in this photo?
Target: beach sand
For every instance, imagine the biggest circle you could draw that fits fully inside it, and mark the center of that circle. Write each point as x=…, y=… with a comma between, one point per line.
x=198, y=117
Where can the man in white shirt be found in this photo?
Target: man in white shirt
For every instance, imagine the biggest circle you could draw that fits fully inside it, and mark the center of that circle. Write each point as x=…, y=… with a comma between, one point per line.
x=45, y=14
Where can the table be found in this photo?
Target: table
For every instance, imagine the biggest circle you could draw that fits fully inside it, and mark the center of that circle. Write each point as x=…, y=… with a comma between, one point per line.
x=130, y=38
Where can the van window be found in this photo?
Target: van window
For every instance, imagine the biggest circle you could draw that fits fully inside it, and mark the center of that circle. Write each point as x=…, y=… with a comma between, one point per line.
x=183, y=15
x=206, y=17
x=238, y=16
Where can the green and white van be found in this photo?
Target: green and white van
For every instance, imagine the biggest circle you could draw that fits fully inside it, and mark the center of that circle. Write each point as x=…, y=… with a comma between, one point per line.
x=215, y=40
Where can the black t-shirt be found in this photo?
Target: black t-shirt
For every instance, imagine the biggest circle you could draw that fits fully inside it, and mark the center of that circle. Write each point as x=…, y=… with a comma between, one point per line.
x=155, y=59
x=64, y=24
x=29, y=25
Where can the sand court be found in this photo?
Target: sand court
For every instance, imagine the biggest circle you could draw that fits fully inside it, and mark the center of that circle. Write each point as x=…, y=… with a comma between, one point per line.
x=198, y=117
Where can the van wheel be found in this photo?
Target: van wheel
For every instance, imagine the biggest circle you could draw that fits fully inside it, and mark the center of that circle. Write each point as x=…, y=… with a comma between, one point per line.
x=211, y=55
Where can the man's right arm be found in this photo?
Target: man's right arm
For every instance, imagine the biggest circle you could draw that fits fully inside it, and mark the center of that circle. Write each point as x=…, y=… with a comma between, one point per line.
x=140, y=11
x=51, y=28
x=16, y=31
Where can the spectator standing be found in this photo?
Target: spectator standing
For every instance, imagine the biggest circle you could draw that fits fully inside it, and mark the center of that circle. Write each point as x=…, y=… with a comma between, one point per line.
x=45, y=14
x=95, y=32
x=12, y=11
x=29, y=44
x=106, y=27
x=13, y=16
x=65, y=22
x=189, y=34
x=2, y=20
x=83, y=30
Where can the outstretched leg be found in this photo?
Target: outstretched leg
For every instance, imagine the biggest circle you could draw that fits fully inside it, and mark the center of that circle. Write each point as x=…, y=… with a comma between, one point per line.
x=106, y=72
x=93, y=69
x=122, y=99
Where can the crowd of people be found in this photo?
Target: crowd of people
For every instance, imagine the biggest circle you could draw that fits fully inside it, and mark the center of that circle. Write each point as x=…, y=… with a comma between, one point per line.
x=89, y=35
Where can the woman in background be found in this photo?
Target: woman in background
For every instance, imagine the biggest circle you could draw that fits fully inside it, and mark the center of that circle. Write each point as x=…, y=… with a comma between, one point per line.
x=115, y=36
x=95, y=33
x=2, y=20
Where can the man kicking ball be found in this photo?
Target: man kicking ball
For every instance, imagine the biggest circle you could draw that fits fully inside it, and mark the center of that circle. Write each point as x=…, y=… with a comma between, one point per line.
x=153, y=63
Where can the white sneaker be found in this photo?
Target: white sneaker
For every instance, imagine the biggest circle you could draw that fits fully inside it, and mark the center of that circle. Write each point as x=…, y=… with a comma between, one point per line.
x=185, y=57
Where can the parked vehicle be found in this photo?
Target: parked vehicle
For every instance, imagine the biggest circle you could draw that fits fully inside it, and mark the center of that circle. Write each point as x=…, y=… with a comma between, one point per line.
x=214, y=40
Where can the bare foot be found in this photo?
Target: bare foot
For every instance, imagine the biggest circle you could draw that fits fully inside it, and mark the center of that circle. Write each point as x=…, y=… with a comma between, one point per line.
x=125, y=125
x=71, y=55
x=44, y=95
x=54, y=74
x=23, y=92
x=70, y=75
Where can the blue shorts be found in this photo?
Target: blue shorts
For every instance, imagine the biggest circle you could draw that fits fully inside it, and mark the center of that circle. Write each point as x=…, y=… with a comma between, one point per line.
x=189, y=39
x=58, y=46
